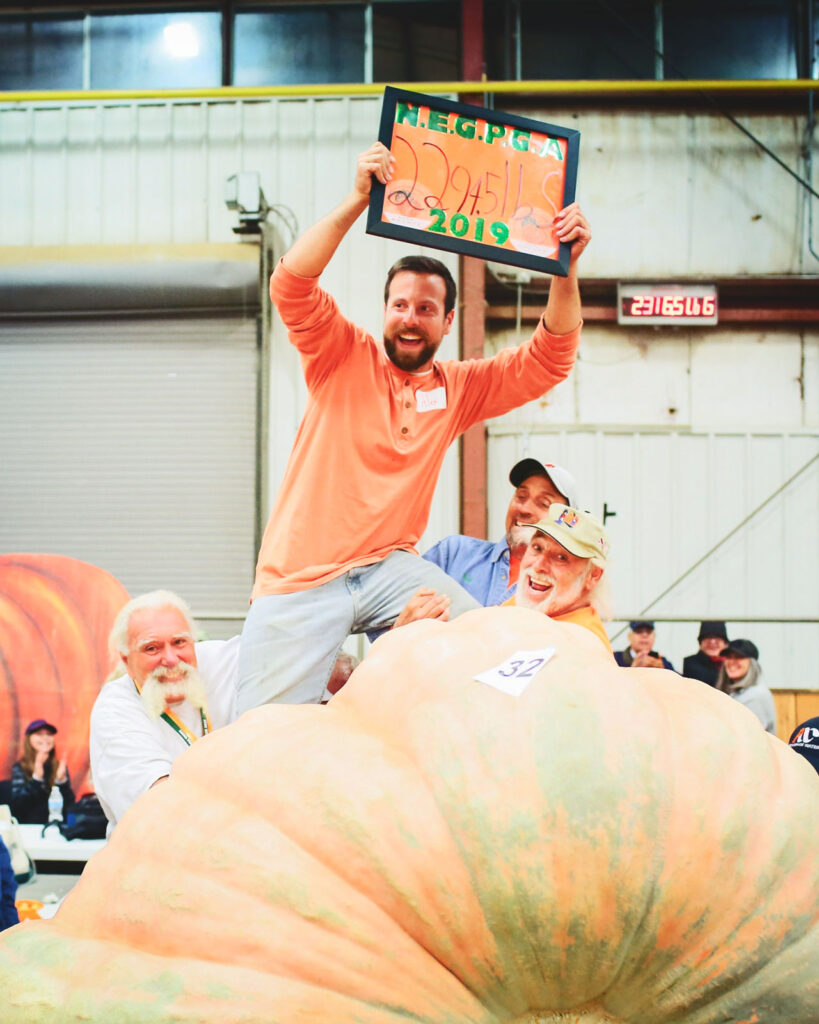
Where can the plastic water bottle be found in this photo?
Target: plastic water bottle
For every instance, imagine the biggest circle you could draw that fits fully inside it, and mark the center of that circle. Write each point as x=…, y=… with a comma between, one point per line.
x=55, y=804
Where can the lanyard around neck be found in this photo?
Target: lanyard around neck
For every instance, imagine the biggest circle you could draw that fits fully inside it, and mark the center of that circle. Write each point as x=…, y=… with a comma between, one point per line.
x=179, y=726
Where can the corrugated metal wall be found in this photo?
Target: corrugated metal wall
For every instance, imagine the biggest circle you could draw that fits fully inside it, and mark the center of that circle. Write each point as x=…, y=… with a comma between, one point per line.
x=142, y=173
x=668, y=194
x=719, y=525
x=679, y=194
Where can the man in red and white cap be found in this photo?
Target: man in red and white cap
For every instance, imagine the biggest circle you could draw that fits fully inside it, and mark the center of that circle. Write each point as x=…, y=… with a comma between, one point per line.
x=489, y=570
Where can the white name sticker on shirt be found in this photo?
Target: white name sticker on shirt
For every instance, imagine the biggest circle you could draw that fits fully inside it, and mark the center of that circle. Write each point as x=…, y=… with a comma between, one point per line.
x=426, y=400
x=514, y=675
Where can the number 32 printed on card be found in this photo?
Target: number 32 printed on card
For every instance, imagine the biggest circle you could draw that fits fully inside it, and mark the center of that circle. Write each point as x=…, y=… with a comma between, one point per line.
x=514, y=675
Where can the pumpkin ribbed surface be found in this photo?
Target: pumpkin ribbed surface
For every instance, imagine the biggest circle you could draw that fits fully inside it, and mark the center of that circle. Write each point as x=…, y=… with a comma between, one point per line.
x=614, y=845
x=55, y=616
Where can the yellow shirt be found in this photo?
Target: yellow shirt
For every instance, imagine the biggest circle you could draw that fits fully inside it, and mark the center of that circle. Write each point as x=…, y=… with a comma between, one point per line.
x=585, y=616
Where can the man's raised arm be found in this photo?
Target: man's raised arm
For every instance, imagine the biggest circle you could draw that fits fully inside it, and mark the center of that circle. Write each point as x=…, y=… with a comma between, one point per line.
x=563, y=306
x=312, y=251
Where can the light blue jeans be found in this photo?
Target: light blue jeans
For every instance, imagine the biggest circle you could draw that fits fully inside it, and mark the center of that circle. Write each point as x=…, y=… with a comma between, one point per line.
x=290, y=641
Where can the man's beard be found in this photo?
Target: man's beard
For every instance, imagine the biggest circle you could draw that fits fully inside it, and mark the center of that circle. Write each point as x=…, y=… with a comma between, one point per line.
x=410, y=361
x=518, y=537
x=156, y=693
x=555, y=601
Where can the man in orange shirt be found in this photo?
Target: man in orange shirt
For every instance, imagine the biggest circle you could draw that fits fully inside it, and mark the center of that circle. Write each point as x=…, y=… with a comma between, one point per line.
x=562, y=569
x=339, y=551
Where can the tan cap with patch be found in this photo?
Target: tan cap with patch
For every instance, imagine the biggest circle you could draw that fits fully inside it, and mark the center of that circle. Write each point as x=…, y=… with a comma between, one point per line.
x=578, y=532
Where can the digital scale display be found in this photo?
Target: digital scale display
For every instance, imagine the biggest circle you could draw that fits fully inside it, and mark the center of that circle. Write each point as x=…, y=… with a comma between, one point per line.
x=656, y=304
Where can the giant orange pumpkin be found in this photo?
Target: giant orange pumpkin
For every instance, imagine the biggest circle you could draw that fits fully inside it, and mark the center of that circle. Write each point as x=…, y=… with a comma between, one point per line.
x=613, y=845
x=55, y=616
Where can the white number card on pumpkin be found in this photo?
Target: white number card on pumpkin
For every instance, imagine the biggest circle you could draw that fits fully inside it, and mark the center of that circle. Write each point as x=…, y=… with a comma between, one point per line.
x=514, y=675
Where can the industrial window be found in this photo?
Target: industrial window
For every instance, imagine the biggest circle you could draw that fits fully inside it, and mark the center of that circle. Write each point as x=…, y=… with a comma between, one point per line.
x=299, y=45
x=624, y=39
x=41, y=53
x=302, y=43
x=741, y=39
x=416, y=42
x=155, y=51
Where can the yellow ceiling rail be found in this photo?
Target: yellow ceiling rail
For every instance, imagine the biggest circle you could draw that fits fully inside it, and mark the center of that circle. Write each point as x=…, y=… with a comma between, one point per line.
x=569, y=89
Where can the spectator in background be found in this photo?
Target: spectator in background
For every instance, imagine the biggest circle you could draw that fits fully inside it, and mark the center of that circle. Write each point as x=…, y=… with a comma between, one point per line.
x=8, y=890
x=705, y=664
x=805, y=741
x=33, y=776
x=489, y=571
x=739, y=677
x=640, y=652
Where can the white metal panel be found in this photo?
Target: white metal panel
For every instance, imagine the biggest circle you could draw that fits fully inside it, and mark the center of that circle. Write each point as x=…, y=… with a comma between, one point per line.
x=754, y=376
x=676, y=495
x=130, y=444
x=705, y=378
x=668, y=193
x=153, y=172
x=678, y=193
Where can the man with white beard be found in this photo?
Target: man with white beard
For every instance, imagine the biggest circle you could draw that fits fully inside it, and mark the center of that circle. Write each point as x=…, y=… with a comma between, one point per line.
x=489, y=571
x=561, y=572
x=174, y=692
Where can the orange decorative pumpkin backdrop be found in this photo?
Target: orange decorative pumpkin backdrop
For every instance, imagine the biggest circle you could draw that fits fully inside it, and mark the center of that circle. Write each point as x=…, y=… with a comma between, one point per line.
x=613, y=846
x=55, y=616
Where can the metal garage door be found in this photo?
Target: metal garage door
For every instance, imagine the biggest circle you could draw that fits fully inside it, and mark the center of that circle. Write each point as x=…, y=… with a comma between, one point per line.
x=131, y=443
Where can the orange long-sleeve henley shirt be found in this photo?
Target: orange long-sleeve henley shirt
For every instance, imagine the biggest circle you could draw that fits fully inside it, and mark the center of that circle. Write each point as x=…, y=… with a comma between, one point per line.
x=366, y=459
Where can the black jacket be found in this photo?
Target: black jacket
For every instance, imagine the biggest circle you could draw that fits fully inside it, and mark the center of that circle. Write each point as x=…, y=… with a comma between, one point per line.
x=699, y=666
x=29, y=797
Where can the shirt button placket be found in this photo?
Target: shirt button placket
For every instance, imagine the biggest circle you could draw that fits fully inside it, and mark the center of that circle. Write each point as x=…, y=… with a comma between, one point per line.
x=407, y=407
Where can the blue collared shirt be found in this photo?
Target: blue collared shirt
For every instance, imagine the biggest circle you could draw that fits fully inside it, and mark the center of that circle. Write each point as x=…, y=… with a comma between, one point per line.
x=481, y=567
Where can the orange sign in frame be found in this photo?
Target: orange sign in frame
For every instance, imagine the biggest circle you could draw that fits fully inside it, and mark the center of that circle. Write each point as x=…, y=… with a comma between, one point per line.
x=475, y=181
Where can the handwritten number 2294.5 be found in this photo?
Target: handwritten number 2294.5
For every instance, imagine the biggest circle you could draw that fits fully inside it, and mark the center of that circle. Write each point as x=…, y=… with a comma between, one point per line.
x=460, y=180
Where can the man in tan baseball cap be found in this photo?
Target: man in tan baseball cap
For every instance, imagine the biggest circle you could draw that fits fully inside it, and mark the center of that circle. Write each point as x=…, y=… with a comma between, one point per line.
x=561, y=574
x=562, y=568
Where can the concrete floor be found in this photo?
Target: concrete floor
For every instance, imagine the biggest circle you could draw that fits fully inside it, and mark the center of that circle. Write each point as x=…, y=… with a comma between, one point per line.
x=47, y=888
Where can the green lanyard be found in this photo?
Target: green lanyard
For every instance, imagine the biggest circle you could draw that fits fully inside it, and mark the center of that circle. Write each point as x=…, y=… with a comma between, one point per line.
x=179, y=726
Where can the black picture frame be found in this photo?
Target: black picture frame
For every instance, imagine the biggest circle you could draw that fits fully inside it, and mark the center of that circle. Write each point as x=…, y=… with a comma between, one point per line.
x=428, y=134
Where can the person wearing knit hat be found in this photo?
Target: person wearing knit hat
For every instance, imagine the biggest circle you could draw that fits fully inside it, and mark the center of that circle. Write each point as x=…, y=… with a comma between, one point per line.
x=489, y=570
x=706, y=663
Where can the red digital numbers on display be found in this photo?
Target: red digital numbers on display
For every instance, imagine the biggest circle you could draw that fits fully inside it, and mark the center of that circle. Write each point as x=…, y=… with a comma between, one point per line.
x=669, y=306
